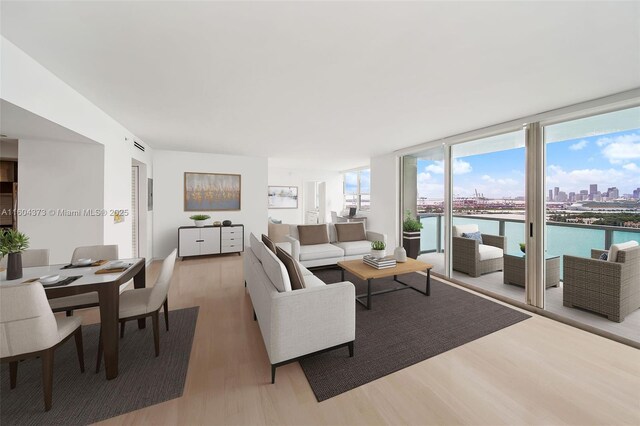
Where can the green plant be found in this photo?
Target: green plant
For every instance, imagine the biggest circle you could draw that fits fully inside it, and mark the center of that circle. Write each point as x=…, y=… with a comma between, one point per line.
x=410, y=223
x=523, y=247
x=200, y=217
x=12, y=241
x=378, y=245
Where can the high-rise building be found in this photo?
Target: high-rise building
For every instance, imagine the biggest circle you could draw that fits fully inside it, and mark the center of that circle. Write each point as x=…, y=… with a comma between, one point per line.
x=572, y=197
x=636, y=193
x=555, y=193
x=613, y=193
x=550, y=195
x=593, y=189
x=562, y=196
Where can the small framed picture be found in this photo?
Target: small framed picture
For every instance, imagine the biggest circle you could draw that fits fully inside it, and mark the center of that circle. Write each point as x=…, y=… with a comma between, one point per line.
x=283, y=197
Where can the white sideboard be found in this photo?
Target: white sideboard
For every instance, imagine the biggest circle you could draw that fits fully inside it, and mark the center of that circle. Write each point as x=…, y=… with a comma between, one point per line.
x=200, y=241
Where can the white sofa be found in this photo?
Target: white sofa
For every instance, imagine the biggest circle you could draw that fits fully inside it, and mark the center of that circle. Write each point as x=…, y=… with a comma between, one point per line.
x=332, y=252
x=296, y=323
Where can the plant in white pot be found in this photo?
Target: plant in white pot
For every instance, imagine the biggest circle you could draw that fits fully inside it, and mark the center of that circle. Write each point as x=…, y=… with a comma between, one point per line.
x=12, y=244
x=378, y=249
x=200, y=219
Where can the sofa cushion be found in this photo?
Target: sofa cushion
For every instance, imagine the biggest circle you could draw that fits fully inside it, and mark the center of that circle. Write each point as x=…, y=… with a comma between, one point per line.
x=615, y=248
x=355, y=248
x=295, y=276
x=313, y=234
x=276, y=271
x=320, y=251
x=270, y=244
x=350, y=232
x=256, y=246
x=313, y=281
x=473, y=236
x=458, y=230
x=486, y=252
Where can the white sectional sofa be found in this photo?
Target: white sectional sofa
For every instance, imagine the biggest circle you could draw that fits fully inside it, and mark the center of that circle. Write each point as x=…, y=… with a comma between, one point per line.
x=334, y=251
x=297, y=323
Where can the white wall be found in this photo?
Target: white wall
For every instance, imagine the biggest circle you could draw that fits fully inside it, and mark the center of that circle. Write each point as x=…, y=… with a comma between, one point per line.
x=297, y=177
x=385, y=197
x=30, y=86
x=60, y=175
x=168, y=182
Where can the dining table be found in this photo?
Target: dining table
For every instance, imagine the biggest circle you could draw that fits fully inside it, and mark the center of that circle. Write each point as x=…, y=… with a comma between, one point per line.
x=93, y=278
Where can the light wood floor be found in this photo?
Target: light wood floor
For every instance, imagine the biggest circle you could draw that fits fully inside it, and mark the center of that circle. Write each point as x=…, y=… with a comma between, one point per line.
x=536, y=372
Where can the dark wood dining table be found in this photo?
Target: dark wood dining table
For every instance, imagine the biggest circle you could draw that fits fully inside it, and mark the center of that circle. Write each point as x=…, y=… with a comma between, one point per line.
x=108, y=288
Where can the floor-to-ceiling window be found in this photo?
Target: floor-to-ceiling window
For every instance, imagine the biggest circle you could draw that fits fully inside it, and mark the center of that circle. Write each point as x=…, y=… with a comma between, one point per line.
x=593, y=202
x=357, y=189
x=423, y=200
x=488, y=188
x=589, y=171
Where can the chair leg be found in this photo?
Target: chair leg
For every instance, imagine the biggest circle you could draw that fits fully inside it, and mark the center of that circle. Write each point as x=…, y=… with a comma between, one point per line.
x=273, y=374
x=166, y=313
x=13, y=373
x=350, y=349
x=99, y=357
x=47, y=377
x=122, y=324
x=69, y=313
x=156, y=332
x=79, y=348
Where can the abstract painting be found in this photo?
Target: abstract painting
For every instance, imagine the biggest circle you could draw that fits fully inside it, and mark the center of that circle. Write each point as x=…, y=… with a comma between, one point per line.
x=211, y=191
x=283, y=197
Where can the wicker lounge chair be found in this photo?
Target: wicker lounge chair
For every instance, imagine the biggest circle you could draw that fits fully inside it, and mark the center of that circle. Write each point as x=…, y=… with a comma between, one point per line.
x=473, y=258
x=610, y=288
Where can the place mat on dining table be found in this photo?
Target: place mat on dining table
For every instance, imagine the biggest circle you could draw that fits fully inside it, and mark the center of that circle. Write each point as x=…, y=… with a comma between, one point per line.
x=113, y=270
x=67, y=280
x=91, y=265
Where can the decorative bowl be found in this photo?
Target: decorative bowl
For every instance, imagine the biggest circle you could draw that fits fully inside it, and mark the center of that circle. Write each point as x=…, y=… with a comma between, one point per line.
x=82, y=262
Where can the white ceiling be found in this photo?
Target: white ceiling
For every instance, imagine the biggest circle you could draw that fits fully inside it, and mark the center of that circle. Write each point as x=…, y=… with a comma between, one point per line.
x=327, y=85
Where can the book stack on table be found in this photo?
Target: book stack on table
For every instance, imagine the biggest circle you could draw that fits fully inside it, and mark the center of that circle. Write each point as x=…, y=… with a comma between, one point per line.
x=384, y=263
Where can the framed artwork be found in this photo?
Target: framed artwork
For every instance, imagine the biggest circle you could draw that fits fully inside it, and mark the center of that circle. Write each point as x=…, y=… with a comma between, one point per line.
x=283, y=197
x=211, y=191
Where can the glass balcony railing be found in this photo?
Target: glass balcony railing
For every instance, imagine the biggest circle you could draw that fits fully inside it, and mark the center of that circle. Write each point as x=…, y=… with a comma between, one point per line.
x=562, y=238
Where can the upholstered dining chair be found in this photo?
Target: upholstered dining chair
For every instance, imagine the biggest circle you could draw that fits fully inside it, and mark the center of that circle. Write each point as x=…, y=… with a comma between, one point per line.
x=28, y=329
x=146, y=302
x=31, y=258
x=85, y=300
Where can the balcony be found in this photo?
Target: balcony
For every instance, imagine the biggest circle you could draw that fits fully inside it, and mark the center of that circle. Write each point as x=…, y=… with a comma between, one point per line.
x=562, y=238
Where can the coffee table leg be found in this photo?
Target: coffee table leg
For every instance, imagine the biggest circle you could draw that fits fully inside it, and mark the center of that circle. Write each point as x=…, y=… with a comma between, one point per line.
x=342, y=274
x=369, y=293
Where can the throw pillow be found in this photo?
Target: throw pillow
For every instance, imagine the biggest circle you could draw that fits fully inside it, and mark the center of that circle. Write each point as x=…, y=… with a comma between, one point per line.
x=295, y=275
x=604, y=256
x=473, y=235
x=270, y=244
x=313, y=234
x=350, y=232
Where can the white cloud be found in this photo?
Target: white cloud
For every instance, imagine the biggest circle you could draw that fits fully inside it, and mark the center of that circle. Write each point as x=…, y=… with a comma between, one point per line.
x=430, y=187
x=502, y=182
x=633, y=167
x=575, y=180
x=460, y=167
x=579, y=145
x=620, y=149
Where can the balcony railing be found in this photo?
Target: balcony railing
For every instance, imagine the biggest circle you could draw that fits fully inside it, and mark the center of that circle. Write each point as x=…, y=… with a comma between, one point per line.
x=562, y=238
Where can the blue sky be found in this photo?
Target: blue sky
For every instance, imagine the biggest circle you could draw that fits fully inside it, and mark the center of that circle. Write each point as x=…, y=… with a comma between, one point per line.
x=608, y=160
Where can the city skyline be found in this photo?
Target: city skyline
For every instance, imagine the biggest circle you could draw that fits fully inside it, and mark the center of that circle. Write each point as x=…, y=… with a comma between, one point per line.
x=608, y=160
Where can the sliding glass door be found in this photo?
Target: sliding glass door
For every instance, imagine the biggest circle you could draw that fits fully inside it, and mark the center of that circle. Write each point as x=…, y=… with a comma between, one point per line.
x=592, y=202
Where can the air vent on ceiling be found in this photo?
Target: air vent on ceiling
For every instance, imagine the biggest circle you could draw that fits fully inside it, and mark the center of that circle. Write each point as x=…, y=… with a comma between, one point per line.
x=138, y=145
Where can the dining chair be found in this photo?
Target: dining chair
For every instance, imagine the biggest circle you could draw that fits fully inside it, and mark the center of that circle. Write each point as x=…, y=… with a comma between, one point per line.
x=31, y=258
x=85, y=300
x=28, y=329
x=146, y=302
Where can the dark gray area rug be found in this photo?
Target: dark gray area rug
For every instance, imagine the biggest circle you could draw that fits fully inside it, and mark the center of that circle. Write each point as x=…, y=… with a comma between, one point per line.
x=80, y=399
x=401, y=329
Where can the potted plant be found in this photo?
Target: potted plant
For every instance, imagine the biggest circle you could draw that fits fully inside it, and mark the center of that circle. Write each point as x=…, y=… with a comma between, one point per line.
x=378, y=249
x=523, y=247
x=411, y=235
x=12, y=244
x=200, y=219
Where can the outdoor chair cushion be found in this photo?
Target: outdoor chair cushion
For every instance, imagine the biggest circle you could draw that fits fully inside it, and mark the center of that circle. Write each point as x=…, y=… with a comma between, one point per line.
x=615, y=248
x=486, y=252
